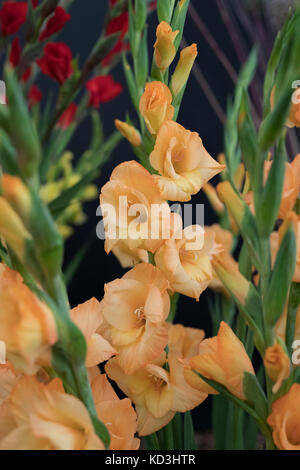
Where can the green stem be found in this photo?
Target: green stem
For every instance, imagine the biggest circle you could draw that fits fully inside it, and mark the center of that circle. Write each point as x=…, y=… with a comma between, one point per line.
x=173, y=309
x=168, y=437
x=74, y=354
x=152, y=442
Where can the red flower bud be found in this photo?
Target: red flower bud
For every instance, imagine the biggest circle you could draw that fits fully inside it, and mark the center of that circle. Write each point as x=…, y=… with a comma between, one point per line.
x=15, y=53
x=67, y=117
x=57, y=61
x=118, y=24
x=102, y=89
x=55, y=23
x=26, y=75
x=12, y=17
x=34, y=96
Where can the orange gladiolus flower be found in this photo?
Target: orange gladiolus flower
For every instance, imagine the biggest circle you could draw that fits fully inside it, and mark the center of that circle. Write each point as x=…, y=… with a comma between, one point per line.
x=118, y=415
x=276, y=238
x=277, y=365
x=89, y=319
x=183, y=164
x=190, y=390
x=164, y=49
x=155, y=105
x=150, y=390
x=285, y=420
x=223, y=359
x=291, y=187
x=8, y=379
x=129, y=257
x=160, y=389
x=280, y=327
x=135, y=309
x=186, y=261
x=294, y=114
x=27, y=325
x=224, y=239
x=133, y=209
x=43, y=417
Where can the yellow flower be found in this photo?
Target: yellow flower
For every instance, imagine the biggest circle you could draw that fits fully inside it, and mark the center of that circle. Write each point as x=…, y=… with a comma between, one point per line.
x=285, y=420
x=43, y=417
x=223, y=359
x=277, y=365
x=27, y=325
x=155, y=105
x=135, y=309
x=183, y=164
x=88, y=318
x=118, y=415
x=183, y=68
x=133, y=209
x=186, y=259
x=164, y=46
x=129, y=132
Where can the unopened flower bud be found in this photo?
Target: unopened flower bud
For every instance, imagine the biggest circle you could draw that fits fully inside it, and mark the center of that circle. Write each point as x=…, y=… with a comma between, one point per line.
x=129, y=132
x=183, y=68
x=164, y=46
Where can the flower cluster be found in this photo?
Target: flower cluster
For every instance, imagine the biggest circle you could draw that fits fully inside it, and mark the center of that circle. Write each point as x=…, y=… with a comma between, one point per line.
x=64, y=369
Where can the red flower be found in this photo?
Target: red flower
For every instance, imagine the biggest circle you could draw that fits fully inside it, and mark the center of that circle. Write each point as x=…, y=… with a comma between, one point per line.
x=26, y=74
x=15, y=53
x=34, y=95
x=102, y=89
x=67, y=117
x=152, y=6
x=12, y=17
x=118, y=24
x=34, y=3
x=55, y=23
x=57, y=61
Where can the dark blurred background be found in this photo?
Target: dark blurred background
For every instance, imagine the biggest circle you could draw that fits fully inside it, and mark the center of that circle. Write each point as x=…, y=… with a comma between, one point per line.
x=196, y=114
